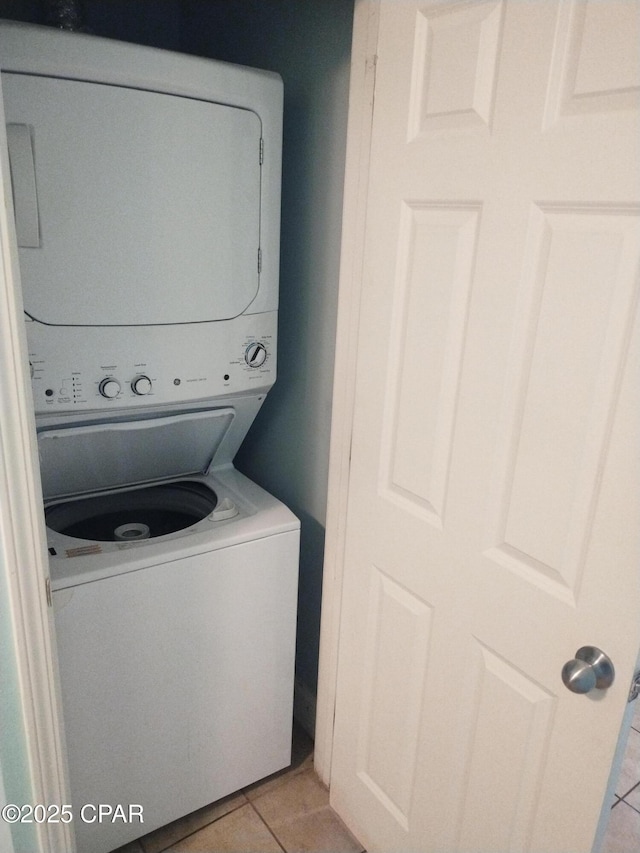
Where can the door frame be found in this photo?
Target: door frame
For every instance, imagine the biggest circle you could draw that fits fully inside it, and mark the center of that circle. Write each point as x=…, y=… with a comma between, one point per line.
x=35, y=702
x=352, y=259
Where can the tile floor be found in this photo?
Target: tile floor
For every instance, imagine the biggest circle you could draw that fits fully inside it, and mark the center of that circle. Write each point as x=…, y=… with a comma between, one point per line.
x=623, y=831
x=290, y=813
x=287, y=812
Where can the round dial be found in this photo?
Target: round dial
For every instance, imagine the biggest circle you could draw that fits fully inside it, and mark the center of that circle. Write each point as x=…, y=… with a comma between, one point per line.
x=141, y=385
x=255, y=354
x=109, y=388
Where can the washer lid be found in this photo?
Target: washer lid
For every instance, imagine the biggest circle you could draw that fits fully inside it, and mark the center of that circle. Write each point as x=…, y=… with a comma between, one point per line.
x=81, y=459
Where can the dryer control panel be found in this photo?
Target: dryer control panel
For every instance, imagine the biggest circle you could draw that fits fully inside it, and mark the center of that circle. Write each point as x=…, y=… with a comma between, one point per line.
x=105, y=369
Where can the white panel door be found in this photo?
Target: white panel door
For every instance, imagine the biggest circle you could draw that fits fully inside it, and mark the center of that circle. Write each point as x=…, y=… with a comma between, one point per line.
x=493, y=494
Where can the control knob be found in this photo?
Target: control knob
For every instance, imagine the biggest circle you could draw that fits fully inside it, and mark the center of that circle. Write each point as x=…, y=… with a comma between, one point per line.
x=255, y=354
x=109, y=388
x=141, y=385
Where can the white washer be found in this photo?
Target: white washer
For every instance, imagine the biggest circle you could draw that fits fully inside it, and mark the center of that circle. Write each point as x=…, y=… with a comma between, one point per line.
x=177, y=652
x=146, y=189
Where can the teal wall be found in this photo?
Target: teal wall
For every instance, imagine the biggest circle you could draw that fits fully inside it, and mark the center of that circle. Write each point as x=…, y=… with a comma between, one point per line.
x=15, y=786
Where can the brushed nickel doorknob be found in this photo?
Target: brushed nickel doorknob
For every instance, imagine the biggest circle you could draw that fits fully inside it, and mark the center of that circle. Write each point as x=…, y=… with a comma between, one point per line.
x=590, y=669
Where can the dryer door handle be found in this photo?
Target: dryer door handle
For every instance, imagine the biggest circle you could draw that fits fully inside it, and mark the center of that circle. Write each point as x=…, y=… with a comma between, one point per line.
x=23, y=180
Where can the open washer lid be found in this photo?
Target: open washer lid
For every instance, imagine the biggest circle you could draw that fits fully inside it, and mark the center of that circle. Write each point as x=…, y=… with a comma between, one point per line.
x=81, y=459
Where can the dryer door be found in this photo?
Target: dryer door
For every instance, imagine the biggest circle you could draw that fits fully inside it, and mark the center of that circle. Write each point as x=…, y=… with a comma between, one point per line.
x=133, y=207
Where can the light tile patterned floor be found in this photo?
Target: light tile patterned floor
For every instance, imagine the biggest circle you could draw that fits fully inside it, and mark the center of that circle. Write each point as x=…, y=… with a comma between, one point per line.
x=623, y=831
x=290, y=812
x=287, y=812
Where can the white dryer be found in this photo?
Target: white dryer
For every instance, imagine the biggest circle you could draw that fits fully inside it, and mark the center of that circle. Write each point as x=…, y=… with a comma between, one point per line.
x=146, y=191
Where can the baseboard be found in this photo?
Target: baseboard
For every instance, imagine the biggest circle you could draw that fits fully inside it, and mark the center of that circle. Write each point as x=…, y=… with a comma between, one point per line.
x=304, y=707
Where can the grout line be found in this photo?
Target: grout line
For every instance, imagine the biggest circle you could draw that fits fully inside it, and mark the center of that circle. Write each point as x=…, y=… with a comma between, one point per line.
x=189, y=834
x=626, y=793
x=272, y=782
x=630, y=791
x=271, y=832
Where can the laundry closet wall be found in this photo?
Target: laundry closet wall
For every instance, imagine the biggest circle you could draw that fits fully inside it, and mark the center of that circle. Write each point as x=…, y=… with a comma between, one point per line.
x=308, y=42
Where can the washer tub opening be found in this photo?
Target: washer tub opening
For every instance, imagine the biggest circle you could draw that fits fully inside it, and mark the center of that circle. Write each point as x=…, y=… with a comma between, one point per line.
x=133, y=515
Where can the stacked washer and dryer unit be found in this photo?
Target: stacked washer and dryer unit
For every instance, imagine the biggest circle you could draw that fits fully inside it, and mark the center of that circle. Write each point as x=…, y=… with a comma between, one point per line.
x=146, y=192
